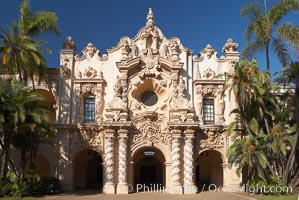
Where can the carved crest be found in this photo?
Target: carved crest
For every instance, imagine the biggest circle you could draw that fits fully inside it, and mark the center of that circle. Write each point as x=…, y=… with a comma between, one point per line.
x=212, y=138
x=230, y=46
x=209, y=74
x=150, y=133
x=208, y=51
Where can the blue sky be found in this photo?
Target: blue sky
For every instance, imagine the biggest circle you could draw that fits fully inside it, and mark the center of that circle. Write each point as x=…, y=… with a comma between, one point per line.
x=195, y=22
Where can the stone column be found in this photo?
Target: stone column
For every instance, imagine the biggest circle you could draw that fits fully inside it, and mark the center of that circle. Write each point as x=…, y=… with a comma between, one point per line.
x=109, y=187
x=189, y=187
x=176, y=187
x=122, y=186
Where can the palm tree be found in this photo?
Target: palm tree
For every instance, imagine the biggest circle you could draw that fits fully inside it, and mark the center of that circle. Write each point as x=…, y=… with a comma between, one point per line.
x=32, y=128
x=36, y=24
x=16, y=52
x=13, y=95
x=248, y=153
x=33, y=25
x=265, y=32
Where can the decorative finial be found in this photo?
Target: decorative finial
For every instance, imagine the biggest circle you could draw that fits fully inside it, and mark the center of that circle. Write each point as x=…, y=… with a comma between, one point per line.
x=69, y=44
x=230, y=46
x=150, y=19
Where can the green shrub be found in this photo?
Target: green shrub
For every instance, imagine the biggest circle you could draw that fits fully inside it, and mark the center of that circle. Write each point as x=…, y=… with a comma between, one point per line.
x=49, y=185
x=12, y=186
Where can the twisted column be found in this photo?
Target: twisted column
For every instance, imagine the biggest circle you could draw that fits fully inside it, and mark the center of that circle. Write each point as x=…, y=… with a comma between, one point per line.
x=109, y=187
x=122, y=187
x=189, y=187
x=176, y=163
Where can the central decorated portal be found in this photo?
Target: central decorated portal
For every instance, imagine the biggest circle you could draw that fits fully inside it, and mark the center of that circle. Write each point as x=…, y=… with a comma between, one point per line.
x=149, y=112
x=149, y=169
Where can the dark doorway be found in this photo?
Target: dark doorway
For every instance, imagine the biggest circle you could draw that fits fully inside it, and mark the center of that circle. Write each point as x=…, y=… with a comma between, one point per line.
x=149, y=172
x=94, y=173
x=88, y=170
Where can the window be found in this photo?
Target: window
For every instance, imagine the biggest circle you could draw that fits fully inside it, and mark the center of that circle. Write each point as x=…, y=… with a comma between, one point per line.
x=149, y=98
x=89, y=110
x=208, y=111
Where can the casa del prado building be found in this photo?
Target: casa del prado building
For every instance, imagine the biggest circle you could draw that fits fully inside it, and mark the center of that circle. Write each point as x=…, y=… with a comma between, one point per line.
x=148, y=113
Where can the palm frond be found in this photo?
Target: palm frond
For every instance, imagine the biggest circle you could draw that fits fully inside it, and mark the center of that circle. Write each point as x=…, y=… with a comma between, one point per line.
x=253, y=11
x=281, y=9
x=281, y=52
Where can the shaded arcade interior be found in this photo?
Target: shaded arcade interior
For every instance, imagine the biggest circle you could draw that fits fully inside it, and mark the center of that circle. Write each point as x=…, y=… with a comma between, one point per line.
x=209, y=168
x=149, y=167
x=88, y=170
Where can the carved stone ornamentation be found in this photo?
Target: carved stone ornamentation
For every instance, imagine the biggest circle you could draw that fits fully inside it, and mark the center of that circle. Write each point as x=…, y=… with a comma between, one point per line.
x=125, y=49
x=88, y=87
x=176, y=163
x=90, y=51
x=122, y=169
x=230, y=46
x=92, y=136
x=90, y=73
x=151, y=66
x=109, y=156
x=207, y=90
x=174, y=46
x=117, y=101
x=150, y=133
x=150, y=31
x=209, y=74
x=69, y=44
x=188, y=165
x=179, y=100
x=212, y=138
x=65, y=70
x=208, y=51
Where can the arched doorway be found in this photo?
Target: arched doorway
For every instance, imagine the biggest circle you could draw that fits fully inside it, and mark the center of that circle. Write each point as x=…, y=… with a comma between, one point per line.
x=209, y=168
x=149, y=169
x=42, y=166
x=88, y=170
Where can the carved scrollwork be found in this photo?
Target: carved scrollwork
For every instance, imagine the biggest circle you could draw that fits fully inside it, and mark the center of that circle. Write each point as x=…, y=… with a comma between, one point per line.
x=92, y=136
x=208, y=51
x=117, y=101
x=209, y=74
x=212, y=138
x=179, y=99
x=150, y=133
x=230, y=46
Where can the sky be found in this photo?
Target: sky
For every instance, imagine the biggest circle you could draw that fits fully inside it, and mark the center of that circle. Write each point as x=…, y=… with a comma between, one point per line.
x=196, y=22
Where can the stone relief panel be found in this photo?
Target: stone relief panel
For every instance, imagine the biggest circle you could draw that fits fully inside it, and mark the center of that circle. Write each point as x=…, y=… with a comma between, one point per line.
x=179, y=99
x=212, y=138
x=150, y=133
x=65, y=68
x=208, y=52
x=85, y=137
x=209, y=74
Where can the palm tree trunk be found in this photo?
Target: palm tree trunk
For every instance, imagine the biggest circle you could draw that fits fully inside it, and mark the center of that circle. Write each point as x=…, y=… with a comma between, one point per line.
x=5, y=155
x=268, y=56
x=291, y=159
x=10, y=161
x=32, y=80
x=23, y=160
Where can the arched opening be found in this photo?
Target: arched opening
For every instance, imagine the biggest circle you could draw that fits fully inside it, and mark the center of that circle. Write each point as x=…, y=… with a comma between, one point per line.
x=88, y=170
x=42, y=167
x=149, y=170
x=209, y=168
x=48, y=101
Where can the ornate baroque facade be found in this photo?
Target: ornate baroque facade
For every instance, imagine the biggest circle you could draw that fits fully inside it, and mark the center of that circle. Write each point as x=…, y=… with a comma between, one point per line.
x=148, y=112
